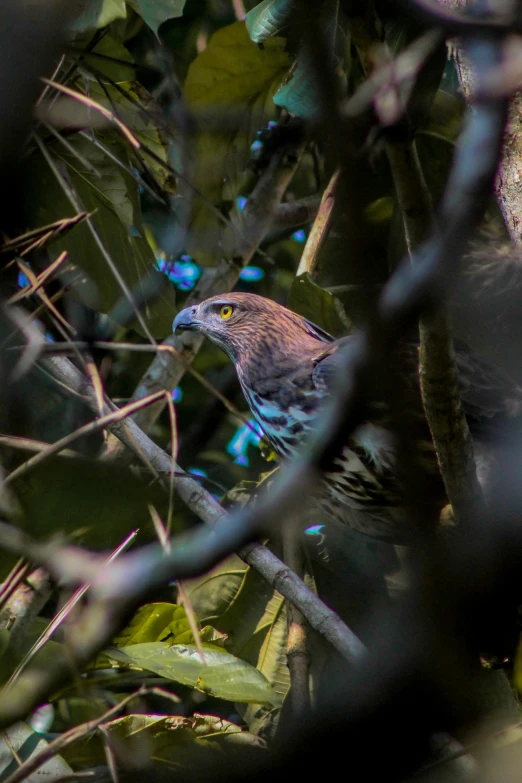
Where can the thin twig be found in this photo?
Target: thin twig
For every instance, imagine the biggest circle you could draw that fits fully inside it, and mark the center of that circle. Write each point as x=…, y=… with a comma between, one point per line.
x=86, y=429
x=91, y=104
x=73, y=199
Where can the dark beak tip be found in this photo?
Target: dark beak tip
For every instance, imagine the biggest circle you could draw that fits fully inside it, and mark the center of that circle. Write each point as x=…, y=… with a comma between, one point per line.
x=183, y=320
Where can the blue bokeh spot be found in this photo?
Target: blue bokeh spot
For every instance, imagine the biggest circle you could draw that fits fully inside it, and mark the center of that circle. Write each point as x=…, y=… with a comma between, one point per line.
x=245, y=436
x=314, y=530
x=22, y=280
x=251, y=274
x=197, y=472
x=177, y=394
x=299, y=236
x=241, y=202
x=184, y=273
x=256, y=147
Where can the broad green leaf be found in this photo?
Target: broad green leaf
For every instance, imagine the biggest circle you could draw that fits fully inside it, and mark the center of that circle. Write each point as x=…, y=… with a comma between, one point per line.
x=221, y=675
x=268, y=18
x=94, y=14
x=267, y=648
x=229, y=88
x=109, y=57
x=212, y=593
x=167, y=740
x=17, y=744
x=141, y=113
x=111, y=196
x=298, y=94
x=319, y=306
x=155, y=12
x=151, y=623
x=159, y=622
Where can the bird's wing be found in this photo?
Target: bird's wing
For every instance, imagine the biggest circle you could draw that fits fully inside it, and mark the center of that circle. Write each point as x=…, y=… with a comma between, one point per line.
x=488, y=395
x=326, y=364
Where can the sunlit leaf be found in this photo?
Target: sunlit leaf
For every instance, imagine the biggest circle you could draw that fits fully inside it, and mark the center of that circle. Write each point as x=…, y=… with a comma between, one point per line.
x=268, y=18
x=94, y=14
x=155, y=12
x=221, y=675
x=150, y=624
x=159, y=622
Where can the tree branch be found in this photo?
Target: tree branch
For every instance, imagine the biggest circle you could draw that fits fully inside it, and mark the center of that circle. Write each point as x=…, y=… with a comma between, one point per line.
x=507, y=184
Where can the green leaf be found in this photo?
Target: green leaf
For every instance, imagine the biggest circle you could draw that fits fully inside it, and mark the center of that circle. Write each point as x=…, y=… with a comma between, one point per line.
x=159, y=622
x=108, y=47
x=94, y=14
x=267, y=648
x=298, y=95
x=221, y=675
x=268, y=18
x=319, y=306
x=229, y=86
x=112, y=198
x=151, y=623
x=21, y=740
x=155, y=12
x=168, y=741
x=212, y=593
x=144, y=117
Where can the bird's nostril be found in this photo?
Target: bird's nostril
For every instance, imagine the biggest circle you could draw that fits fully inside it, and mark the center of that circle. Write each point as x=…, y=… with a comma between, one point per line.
x=193, y=311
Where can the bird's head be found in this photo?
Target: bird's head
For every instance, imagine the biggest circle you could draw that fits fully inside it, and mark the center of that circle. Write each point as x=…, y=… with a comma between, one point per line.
x=247, y=325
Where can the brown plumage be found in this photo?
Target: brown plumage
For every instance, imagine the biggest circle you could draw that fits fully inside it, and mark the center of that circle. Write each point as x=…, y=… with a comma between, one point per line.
x=286, y=366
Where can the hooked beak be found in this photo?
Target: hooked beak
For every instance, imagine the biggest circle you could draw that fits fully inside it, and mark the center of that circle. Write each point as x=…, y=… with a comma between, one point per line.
x=186, y=319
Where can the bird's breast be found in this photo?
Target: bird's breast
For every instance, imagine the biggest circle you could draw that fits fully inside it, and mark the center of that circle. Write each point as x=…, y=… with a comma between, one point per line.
x=285, y=421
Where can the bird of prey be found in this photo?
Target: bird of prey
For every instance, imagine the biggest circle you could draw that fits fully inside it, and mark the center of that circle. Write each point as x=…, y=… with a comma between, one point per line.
x=286, y=367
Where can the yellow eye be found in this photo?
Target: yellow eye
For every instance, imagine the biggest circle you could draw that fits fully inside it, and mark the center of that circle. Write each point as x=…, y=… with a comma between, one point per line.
x=226, y=311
